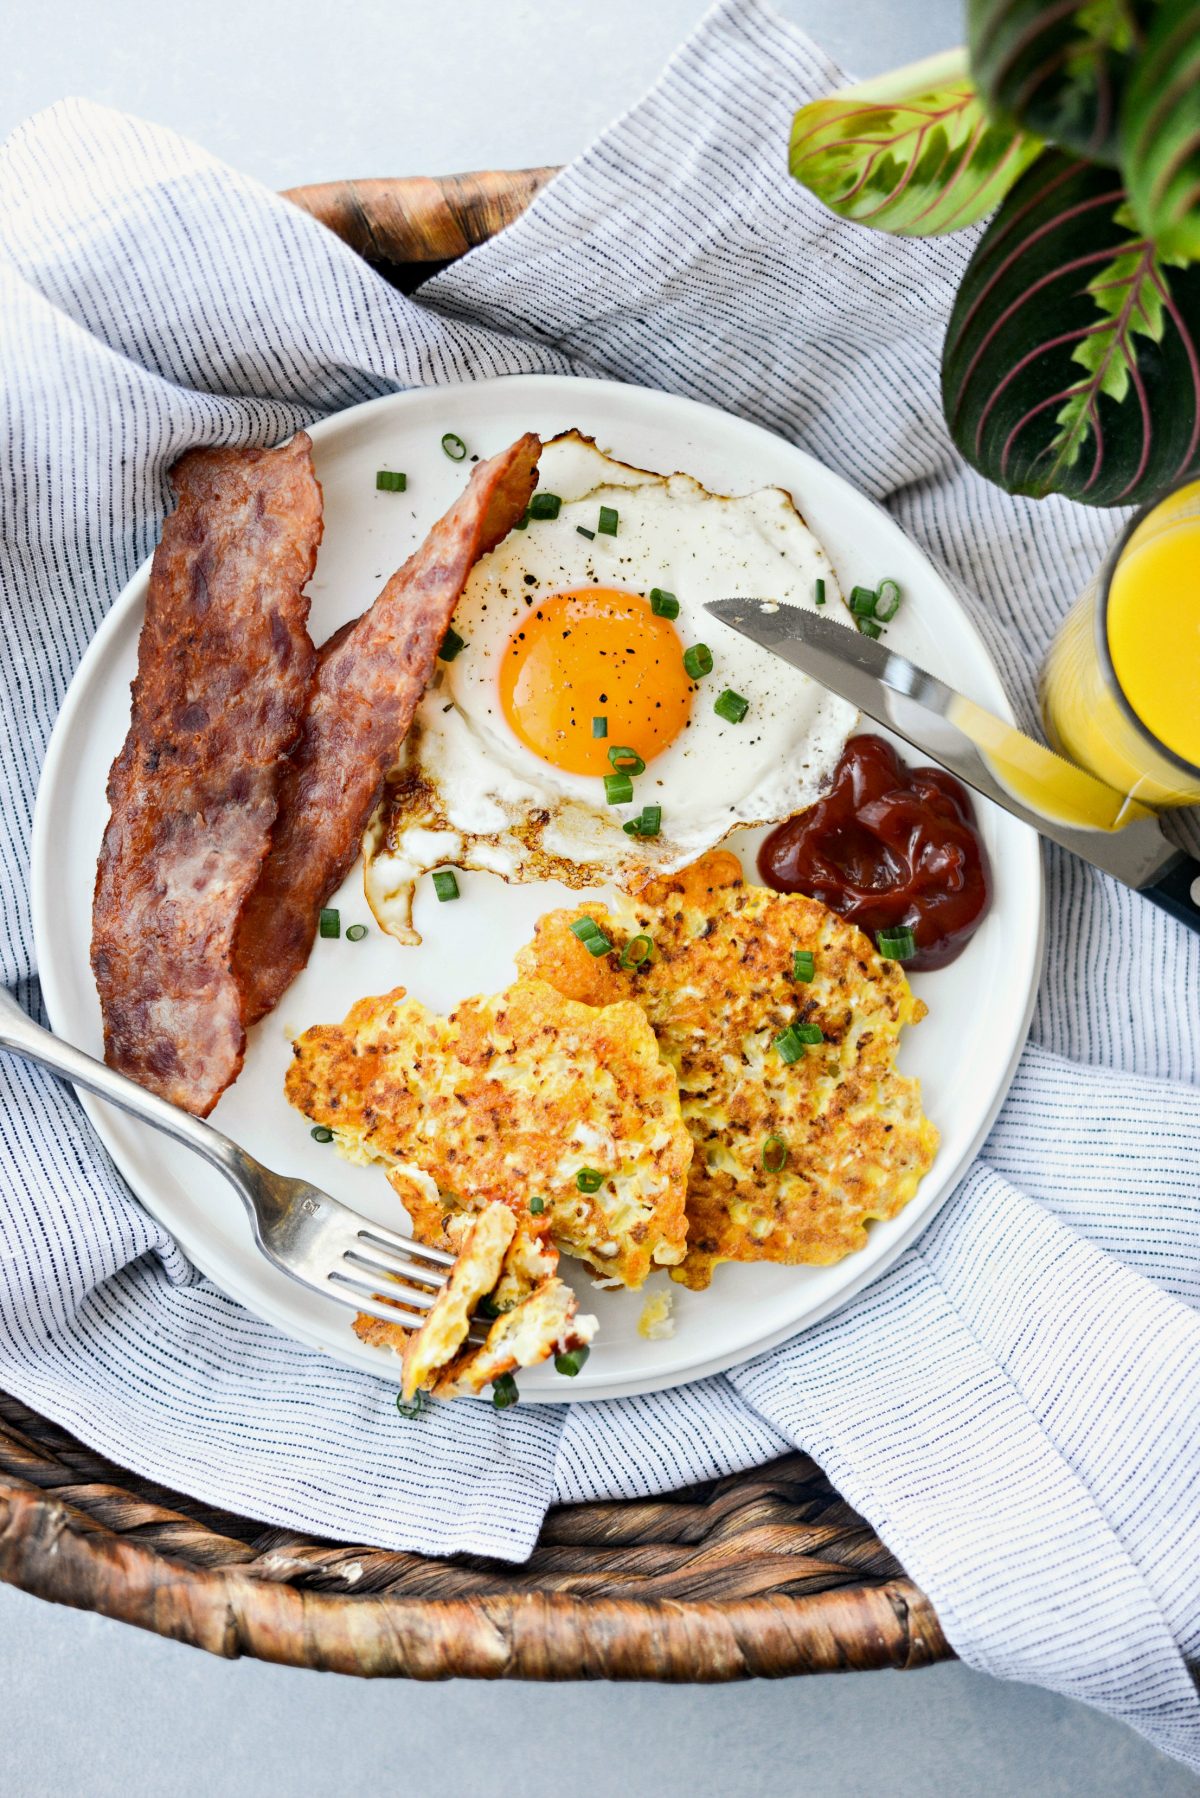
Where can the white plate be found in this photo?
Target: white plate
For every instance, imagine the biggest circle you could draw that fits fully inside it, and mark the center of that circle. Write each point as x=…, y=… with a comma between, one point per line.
x=964, y=1052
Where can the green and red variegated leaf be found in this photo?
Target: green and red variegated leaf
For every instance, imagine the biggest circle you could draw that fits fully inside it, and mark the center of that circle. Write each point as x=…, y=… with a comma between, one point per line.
x=1058, y=68
x=912, y=153
x=1160, y=131
x=1072, y=358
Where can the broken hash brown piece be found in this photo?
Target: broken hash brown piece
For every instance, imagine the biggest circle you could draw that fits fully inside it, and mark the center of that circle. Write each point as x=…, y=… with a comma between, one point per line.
x=225, y=664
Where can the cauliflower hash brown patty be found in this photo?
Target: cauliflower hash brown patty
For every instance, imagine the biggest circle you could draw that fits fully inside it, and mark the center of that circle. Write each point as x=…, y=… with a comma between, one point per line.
x=792, y=1158
x=528, y=1097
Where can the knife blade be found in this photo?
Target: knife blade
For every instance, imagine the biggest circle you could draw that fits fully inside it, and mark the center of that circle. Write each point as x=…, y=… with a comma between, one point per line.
x=1111, y=830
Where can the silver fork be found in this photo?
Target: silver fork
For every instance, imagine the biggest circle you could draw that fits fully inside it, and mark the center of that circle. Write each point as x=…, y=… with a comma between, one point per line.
x=300, y=1229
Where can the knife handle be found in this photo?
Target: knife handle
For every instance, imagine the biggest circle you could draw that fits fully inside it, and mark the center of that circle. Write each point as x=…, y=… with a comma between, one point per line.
x=1177, y=890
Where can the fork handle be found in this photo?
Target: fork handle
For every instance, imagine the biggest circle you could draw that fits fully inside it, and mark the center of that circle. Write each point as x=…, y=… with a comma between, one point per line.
x=19, y=1035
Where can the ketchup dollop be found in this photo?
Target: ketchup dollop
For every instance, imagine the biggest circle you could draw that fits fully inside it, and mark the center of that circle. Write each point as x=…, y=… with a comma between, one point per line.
x=888, y=847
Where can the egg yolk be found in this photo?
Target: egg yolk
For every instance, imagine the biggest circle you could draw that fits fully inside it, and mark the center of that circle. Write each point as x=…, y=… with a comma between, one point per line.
x=590, y=654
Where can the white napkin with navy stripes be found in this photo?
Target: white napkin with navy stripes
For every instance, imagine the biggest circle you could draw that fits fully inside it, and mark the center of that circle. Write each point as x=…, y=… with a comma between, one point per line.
x=1015, y=1405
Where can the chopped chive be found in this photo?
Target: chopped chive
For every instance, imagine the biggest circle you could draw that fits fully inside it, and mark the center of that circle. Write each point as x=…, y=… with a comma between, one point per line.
x=584, y=532
x=697, y=660
x=454, y=446
x=618, y=789
x=599, y=727
x=804, y=964
x=589, y=1179
x=591, y=936
x=792, y=1042
x=330, y=922
x=537, y=1206
x=522, y=523
x=412, y=1408
x=896, y=945
x=452, y=645
x=869, y=628
x=487, y=1307
x=356, y=933
x=648, y=822
x=607, y=525
x=636, y=951
x=774, y=1154
x=504, y=1391
x=571, y=1361
x=887, y=596
x=731, y=706
x=862, y=601
x=626, y=761
x=389, y=480
x=320, y=1133
x=445, y=885
x=663, y=604
x=545, y=505
x=819, y=593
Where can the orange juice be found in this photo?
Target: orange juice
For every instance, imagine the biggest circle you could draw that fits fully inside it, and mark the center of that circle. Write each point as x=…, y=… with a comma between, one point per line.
x=1121, y=685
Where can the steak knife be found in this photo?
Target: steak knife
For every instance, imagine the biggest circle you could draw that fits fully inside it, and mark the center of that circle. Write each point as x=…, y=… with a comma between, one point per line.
x=1109, y=829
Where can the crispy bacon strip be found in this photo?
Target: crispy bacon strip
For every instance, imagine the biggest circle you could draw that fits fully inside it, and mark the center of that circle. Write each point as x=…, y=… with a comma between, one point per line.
x=225, y=666
x=369, y=681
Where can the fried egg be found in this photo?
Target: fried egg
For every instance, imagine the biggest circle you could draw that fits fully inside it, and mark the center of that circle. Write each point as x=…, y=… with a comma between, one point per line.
x=581, y=650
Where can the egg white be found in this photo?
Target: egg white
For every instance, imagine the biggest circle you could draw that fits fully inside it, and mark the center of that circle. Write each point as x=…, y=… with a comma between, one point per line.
x=469, y=792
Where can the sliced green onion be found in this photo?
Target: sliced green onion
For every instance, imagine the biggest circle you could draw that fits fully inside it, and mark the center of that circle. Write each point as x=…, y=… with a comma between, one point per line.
x=626, y=761
x=663, y=604
x=330, y=922
x=388, y=480
x=648, y=822
x=896, y=945
x=356, y=933
x=445, y=884
x=584, y=532
x=697, y=660
x=819, y=593
x=774, y=1154
x=537, y=1206
x=607, y=525
x=599, y=727
x=320, y=1133
x=862, y=601
x=545, y=505
x=487, y=1307
x=504, y=1391
x=887, y=600
x=792, y=1042
x=589, y=1179
x=454, y=446
x=571, y=1361
x=452, y=645
x=636, y=951
x=804, y=964
x=731, y=706
x=591, y=936
x=618, y=789
x=869, y=628
x=522, y=523
x=412, y=1408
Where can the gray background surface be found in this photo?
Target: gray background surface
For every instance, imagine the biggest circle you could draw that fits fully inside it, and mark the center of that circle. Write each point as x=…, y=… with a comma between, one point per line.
x=295, y=91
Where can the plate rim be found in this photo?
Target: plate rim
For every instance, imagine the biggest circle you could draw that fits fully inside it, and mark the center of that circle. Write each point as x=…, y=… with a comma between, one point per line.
x=101, y=1117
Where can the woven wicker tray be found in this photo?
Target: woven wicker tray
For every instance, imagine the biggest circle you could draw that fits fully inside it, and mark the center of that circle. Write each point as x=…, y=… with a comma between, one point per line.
x=765, y=1574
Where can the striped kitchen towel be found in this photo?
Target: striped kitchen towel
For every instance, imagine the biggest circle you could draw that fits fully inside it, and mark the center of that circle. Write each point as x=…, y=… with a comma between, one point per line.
x=1015, y=1405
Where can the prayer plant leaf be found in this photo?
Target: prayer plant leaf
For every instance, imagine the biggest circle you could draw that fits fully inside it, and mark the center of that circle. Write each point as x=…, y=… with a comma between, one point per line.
x=1160, y=131
x=1056, y=69
x=912, y=153
x=1072, y=358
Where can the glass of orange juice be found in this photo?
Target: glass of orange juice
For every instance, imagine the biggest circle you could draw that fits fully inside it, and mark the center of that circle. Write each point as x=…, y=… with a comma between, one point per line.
x=1120, y=688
